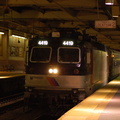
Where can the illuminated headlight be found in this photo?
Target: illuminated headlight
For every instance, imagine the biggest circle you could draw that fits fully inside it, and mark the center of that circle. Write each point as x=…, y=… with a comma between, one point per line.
x=53, y=71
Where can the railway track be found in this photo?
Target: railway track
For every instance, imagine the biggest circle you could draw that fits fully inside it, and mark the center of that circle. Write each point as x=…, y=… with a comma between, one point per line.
x=54, y=113
x=11, y=102
x=13, y=111
x=13, y=107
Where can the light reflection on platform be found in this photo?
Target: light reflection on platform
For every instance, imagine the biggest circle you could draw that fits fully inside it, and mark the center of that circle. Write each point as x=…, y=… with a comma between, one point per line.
x=104, y=104
x=9, y=74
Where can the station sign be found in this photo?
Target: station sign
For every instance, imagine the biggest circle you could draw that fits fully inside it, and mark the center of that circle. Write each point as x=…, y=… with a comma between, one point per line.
x=105, y=24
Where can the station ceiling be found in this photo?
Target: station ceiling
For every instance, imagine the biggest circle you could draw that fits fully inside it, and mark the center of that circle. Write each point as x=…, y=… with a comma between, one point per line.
x=36, y=16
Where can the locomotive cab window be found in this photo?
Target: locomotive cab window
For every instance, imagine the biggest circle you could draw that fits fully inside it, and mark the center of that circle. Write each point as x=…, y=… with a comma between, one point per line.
x=69, y=55
x=40, y=54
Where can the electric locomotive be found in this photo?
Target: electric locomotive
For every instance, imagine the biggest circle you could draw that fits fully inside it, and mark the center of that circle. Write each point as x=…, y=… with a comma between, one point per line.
x=66, y=67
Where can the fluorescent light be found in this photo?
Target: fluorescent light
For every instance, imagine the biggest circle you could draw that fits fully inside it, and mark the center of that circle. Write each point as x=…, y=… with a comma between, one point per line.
x=115, y=16
x=19, y=36
x=109, y=2
x=1, y=32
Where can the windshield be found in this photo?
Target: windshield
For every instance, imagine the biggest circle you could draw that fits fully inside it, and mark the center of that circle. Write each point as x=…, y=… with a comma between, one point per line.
x=68, y=55
x=40, y=54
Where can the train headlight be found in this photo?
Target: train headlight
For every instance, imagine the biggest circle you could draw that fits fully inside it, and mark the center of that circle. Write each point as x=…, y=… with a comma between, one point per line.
x=50, y=70
x=53, y=70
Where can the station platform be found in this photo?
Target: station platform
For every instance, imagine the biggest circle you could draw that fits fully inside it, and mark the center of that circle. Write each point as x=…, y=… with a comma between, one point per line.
x=104, y=104
x=9, y=74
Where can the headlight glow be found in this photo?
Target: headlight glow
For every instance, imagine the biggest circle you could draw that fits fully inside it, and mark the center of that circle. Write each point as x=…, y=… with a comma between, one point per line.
x=53, y=70
x=50, y=70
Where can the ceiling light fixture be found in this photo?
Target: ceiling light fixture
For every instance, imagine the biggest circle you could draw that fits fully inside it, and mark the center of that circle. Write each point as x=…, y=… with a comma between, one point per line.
x=18, y=36
x=109, y=2
x=1, y=32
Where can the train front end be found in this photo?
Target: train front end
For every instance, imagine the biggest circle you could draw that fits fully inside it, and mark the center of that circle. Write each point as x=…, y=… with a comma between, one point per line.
x=56, y=67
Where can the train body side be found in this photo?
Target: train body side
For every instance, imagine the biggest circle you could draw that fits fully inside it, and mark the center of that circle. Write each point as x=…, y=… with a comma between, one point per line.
x=87, y=73
x=114, y=63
